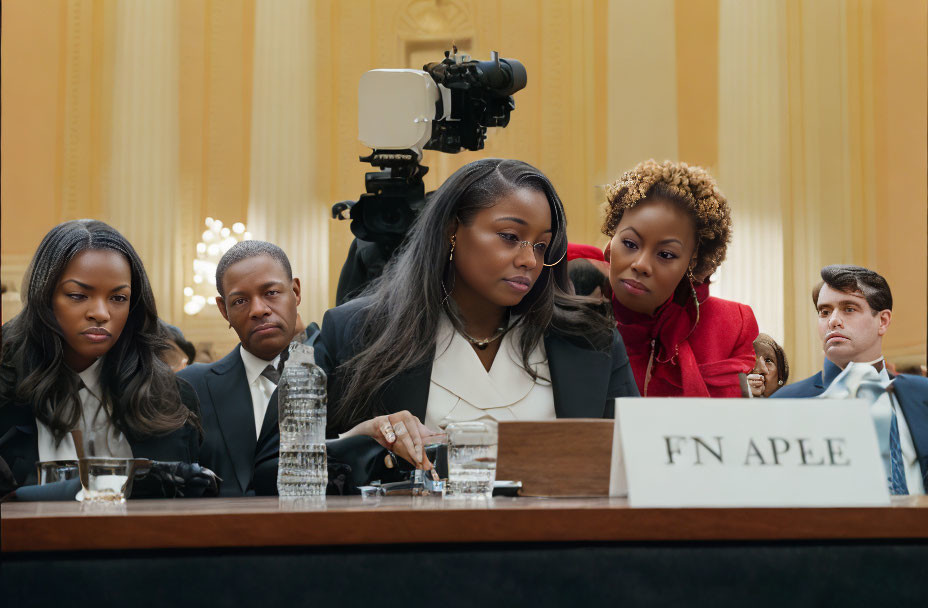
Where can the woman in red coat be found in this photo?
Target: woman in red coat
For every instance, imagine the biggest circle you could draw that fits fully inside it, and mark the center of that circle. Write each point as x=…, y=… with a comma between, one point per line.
x=670, y=227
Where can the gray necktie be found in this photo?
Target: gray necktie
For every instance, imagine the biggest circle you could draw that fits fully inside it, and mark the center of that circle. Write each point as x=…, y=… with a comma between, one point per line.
x=271, y=374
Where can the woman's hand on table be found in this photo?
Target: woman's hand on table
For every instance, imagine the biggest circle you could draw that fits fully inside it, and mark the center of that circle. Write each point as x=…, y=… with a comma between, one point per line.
x=401, y=433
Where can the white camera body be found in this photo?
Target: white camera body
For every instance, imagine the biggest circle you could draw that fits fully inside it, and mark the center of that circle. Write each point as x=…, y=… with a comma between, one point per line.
x=396, y=109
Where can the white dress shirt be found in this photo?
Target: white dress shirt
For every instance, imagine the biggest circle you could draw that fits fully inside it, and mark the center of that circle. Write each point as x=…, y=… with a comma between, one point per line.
x=461, y=388
x=260, y=386
x=100, y=436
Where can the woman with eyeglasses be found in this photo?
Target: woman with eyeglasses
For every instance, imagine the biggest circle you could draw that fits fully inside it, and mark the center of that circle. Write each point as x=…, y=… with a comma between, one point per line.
x=474, y=319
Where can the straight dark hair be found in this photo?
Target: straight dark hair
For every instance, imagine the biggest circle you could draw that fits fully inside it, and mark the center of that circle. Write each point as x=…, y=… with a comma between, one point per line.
x=856, y=279
x=404, y=306
x=139, y=391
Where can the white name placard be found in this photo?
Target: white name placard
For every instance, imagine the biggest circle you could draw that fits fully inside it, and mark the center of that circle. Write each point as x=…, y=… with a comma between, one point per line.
x=747, y=452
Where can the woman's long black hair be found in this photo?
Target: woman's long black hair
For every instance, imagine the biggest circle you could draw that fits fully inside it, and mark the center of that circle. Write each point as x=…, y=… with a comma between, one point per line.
x=404, y=306
x=139, y=391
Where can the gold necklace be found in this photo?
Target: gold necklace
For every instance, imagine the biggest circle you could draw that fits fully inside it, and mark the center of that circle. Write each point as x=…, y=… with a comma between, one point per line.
x=482, y=344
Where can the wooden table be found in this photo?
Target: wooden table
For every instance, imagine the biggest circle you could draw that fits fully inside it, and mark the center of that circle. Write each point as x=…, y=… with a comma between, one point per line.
x=533, y=548
x=267, y=522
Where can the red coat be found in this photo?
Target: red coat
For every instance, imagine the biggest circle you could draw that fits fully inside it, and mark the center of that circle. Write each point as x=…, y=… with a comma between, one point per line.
x=690, y=358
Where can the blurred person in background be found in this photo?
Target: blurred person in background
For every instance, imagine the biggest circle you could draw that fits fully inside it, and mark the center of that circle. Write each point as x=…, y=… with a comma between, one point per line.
x=181, y=352
x=771, y=369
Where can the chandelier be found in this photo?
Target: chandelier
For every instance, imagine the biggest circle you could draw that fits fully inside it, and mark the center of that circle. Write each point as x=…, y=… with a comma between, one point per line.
x=215, y=241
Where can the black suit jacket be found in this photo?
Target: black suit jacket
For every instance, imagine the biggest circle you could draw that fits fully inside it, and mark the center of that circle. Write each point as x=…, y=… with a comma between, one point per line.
x=231, y=448
x=19, y=441
x=584, y=380
x=228, y=420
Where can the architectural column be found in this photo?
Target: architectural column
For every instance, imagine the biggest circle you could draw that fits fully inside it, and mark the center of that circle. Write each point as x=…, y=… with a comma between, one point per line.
x=283, y=204
x=143, y=170
x=818, y=220
x=752, y=157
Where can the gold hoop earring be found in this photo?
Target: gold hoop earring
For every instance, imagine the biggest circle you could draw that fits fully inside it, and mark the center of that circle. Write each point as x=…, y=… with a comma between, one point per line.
x=451, y=253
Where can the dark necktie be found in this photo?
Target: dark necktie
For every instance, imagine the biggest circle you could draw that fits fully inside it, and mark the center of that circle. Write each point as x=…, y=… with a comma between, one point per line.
x=271, y=374
x=897, y=482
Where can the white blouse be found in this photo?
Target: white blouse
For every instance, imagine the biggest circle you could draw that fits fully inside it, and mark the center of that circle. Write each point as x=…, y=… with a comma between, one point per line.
x=461, y=389
x=94, y=424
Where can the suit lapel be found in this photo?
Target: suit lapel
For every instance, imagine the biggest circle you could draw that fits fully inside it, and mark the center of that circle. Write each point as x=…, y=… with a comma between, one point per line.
x=579, y=378
x=231, y=397
x=829, y=372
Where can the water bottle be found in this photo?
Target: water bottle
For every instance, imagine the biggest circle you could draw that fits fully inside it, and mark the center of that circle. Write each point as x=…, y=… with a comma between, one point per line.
x=302, y=469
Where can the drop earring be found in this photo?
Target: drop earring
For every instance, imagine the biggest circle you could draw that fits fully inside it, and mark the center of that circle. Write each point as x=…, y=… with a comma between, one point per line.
x=451, y=253
x=692, y=280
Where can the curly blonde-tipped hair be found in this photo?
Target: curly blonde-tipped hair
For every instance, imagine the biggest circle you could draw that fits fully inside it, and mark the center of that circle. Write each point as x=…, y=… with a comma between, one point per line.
x=691, y=187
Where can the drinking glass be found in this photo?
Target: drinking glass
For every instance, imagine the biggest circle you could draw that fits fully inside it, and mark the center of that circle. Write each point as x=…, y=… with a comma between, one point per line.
x=51, y=471
x=106, y=479
x=472, y=448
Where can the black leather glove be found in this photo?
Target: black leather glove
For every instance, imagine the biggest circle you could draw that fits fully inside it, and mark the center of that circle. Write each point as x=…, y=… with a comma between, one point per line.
x=176, y=480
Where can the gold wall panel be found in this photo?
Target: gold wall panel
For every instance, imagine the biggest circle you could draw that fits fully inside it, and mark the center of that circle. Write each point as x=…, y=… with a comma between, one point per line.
x=830, y=150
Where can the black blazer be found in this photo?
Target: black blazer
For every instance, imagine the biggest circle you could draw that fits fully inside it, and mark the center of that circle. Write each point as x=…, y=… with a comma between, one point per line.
x=584, y=380
x=228, y=420
x=231, y=447
x=19, y=442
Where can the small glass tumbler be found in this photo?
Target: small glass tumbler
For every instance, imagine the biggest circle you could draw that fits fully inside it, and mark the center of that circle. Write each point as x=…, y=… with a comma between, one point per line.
x=106, y=479
x=52, y=471
x=472, y=448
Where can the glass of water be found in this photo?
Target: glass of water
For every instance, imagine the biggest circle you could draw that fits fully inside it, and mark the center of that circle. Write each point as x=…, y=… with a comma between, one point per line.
x=472, y=448
x=106, y=479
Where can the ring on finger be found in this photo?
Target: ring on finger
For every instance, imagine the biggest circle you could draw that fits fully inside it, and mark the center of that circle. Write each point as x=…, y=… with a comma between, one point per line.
x=400, y=428
x=388, y=432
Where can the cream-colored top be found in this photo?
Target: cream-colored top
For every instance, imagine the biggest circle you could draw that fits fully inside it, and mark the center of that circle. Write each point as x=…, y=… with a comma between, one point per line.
x=461, y=389
x=95, y=426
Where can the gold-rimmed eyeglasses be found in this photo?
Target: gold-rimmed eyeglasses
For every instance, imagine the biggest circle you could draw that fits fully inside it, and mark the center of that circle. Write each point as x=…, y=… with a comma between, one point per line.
x=539, y=249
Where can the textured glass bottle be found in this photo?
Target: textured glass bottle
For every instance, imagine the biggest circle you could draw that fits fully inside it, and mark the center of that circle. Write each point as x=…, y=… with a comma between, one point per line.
x=302, y=469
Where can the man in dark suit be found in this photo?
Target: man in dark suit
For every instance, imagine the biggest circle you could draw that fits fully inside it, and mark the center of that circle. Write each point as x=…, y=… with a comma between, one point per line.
x=854, y=308
x=258, y=296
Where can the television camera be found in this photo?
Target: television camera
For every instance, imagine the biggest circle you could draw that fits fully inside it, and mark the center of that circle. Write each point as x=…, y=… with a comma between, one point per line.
x=447, y=106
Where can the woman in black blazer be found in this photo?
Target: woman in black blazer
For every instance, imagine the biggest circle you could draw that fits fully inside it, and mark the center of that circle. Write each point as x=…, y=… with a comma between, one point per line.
x=473, y=319
x=84, y=354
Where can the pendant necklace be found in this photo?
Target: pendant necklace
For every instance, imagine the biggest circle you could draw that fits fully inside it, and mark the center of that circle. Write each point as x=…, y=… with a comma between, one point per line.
x=482, y=344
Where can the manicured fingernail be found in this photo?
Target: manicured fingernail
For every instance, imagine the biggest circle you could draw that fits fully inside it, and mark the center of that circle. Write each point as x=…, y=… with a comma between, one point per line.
x=388, y=461
x=391, y=437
